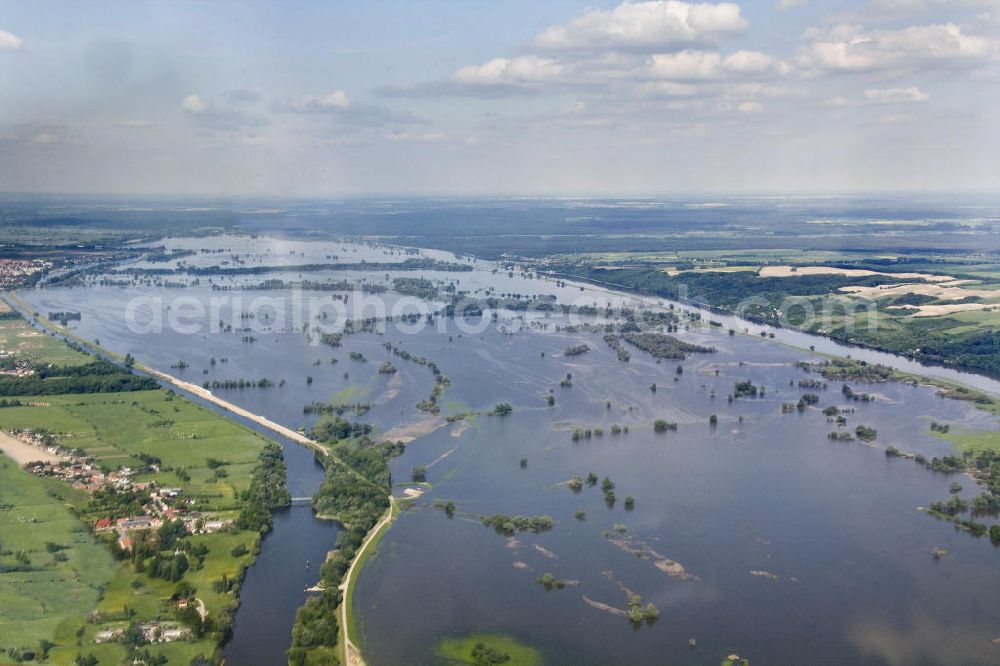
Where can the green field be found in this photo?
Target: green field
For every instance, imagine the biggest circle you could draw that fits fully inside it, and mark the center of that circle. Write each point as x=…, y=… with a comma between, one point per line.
x=27, y=343
x=52, y=601
x=52, y=593
x=972, y=440
x=115, y=428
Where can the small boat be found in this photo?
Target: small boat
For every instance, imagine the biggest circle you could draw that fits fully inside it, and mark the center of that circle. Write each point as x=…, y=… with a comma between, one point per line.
x=308, y=565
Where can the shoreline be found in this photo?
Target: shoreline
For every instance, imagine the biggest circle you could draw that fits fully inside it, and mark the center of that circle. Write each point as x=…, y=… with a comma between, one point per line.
x=351, y=653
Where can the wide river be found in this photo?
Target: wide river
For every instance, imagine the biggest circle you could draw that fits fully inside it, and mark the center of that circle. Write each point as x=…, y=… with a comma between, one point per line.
x=758, y=536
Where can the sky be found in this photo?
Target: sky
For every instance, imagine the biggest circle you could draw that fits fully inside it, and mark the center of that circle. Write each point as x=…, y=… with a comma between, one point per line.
x=464, y=98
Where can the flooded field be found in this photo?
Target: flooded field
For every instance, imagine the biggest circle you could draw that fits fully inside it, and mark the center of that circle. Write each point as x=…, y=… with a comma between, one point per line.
x=749, y=528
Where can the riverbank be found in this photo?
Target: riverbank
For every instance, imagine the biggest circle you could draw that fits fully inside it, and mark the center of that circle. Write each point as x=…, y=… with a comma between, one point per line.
x=351, y=653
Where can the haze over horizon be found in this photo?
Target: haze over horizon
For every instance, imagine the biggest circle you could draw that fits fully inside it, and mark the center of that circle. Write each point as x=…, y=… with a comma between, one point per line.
x=311, y=99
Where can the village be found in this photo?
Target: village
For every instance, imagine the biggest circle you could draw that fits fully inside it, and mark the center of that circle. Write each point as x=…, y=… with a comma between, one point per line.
x=162, y=504
x=16, y=272
x=77, y=469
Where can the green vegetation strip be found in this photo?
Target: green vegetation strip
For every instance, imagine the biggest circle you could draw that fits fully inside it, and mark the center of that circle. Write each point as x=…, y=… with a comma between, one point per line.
x=480, y=649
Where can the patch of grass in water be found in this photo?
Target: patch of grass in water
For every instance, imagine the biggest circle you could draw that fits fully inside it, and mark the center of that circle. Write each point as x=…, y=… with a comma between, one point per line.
x=976, y=441
x=457, y=407
x=460, y=650
x=350, y=394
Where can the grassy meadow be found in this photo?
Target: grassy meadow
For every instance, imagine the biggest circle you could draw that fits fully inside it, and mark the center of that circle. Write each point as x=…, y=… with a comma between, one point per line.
x=52, y=571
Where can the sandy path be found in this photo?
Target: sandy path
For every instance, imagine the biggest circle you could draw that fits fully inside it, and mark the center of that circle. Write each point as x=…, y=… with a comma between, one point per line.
x=23, y=453
x=205, y=394
x=352, y=654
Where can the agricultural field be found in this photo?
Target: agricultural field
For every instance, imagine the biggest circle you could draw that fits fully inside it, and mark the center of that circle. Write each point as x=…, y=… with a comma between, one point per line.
x=28, y=344
x=52, y=571
x=67, y=589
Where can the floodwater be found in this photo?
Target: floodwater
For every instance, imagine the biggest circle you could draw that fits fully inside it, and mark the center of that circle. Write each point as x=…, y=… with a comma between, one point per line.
x=794, y=548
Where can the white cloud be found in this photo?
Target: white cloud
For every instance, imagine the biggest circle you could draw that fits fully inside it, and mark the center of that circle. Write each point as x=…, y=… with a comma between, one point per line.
x=686, y=65
x=785, y=5
x=523, y=70
x=631, y=44
x=37, y=135
x=708, y=65
x=754, y=63
x=194, y=104
x=657, y=25
x=333, y=101
x=345, y=110
x=670, y=132
x=498, y=77
x=848, y=48
x=896, y=95
x=9, y=42
x=753, y=89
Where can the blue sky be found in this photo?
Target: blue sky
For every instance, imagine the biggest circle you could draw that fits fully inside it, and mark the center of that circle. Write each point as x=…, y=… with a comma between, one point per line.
x=465, y=98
